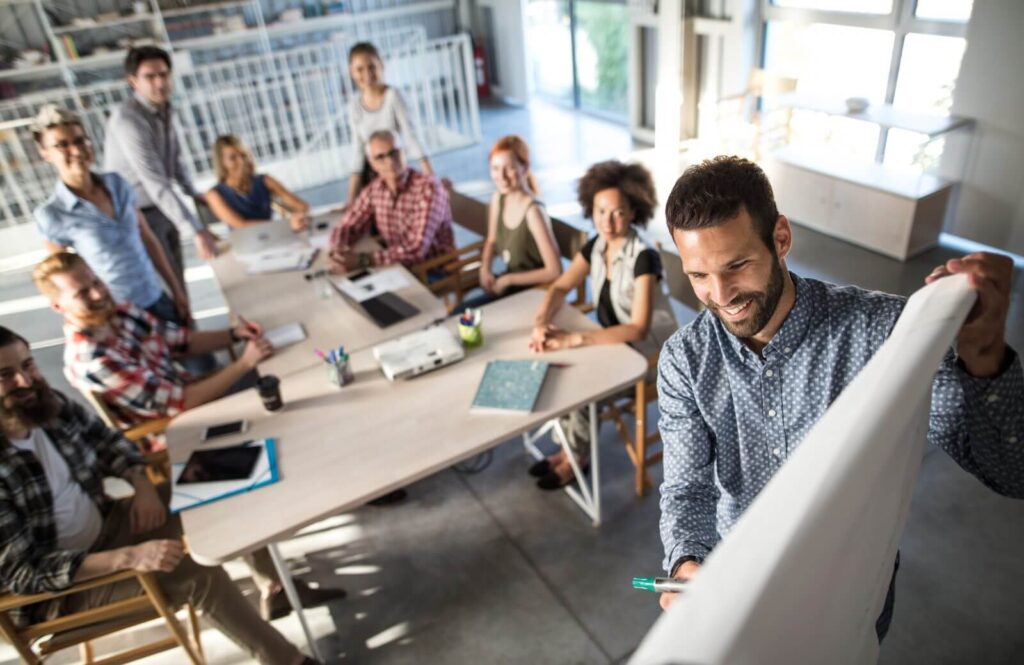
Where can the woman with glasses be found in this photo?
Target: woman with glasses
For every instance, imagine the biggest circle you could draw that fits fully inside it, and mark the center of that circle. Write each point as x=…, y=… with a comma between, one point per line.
x=96, y=214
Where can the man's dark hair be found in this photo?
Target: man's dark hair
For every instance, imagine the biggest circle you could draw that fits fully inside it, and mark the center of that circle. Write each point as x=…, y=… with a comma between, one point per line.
x=363, y=48
x=139, y=54
x=714, y=191
x=8, y=337
x=633, y=180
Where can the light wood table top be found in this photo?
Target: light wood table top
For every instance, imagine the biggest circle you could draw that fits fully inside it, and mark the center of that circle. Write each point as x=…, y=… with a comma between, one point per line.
x=340, y=447
x=276, y=299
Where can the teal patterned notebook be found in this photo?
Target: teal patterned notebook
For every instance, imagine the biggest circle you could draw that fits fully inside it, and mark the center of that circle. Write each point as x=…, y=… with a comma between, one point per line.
x=510, y=386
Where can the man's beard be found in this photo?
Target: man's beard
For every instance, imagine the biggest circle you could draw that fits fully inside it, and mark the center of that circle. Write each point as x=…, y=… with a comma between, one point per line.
x=762, y=306
x=17, y=415
x=98, y=314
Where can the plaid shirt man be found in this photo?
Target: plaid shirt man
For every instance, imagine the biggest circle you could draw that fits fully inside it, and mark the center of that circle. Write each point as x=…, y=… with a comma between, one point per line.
x=29, y=559
x=130, y=365
x=415, y=225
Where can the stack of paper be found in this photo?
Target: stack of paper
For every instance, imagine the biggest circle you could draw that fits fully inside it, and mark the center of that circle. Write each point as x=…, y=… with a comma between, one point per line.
x=286, y=335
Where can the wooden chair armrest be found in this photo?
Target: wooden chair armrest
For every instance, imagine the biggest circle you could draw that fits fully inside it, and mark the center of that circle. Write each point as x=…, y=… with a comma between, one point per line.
x=421, y=268
x=10, y=601
x=147, y=428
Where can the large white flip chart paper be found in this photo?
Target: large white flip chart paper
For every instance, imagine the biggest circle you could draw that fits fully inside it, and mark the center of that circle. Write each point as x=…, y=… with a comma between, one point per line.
x=803, y=575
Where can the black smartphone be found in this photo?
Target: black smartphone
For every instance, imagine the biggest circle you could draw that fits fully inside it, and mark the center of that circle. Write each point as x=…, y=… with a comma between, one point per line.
x=236, y=427
x=357, y=275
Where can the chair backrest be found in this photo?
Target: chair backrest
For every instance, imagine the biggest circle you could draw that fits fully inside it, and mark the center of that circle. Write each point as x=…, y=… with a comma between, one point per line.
x=469, y=213
x=678, y=283
x=568, y=237
x=99, y=407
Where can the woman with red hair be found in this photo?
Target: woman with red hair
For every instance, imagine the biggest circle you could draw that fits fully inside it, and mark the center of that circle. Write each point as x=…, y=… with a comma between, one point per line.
x=520, y=250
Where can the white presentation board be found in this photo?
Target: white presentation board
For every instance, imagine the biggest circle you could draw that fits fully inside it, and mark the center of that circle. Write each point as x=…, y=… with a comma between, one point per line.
x=803, y=575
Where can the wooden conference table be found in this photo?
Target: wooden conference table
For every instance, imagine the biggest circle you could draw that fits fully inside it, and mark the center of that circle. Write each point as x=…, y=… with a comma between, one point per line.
x=338, y=448
x=282, y=298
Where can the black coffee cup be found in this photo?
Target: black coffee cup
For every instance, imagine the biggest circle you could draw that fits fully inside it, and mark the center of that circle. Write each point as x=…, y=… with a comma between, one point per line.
x=269, y=387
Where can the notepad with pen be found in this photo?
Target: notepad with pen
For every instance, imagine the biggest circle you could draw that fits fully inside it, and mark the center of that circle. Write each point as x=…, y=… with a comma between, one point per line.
x=212, y=474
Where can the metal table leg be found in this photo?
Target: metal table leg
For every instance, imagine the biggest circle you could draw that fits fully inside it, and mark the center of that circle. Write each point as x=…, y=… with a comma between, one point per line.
x=290, y=591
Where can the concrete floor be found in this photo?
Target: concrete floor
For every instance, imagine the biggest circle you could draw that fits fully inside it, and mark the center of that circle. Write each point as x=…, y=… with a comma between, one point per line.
x=484, y=568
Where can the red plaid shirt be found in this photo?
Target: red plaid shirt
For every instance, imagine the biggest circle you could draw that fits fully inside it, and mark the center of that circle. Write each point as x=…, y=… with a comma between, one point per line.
x=130, y=365
x=415, y=225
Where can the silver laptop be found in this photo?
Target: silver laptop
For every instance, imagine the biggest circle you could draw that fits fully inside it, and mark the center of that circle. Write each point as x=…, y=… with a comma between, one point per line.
x=256, y=239
x=418, y=352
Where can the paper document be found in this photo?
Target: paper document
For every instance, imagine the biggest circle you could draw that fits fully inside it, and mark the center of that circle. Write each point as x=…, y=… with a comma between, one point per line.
x=286, y=335
x=374, y=284
x=321, y=242
x=803, y=575
x=280, y=260
x=191, y=495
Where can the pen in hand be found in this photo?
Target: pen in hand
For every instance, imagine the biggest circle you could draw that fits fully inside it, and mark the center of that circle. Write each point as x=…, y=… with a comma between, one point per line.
x=659, y=584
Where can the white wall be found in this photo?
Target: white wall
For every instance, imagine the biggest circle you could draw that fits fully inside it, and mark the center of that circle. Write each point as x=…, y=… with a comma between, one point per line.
x=990, y=89
x=510, y=46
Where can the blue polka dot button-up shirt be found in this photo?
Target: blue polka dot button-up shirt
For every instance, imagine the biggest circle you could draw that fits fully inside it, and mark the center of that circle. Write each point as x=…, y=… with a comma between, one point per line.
x=730, y=418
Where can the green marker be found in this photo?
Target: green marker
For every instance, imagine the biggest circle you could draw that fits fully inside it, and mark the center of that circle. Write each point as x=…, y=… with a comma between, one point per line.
x=659, y=584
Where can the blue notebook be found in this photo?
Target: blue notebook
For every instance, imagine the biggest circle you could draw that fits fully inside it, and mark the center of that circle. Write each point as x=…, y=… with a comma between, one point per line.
x=510, y=386
x=192, y=495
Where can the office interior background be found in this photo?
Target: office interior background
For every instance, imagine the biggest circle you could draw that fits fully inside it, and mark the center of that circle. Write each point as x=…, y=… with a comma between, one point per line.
x=892, y=132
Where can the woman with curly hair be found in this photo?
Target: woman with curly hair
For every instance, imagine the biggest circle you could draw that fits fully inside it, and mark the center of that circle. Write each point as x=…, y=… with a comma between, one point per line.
x=624, y=277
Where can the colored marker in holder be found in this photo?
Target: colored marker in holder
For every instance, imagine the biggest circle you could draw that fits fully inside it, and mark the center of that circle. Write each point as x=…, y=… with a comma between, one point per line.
x=470, y=328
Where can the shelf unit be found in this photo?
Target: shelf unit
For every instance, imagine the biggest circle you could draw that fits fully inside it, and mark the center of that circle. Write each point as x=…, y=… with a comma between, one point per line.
x=67, y=67
x=897, y=211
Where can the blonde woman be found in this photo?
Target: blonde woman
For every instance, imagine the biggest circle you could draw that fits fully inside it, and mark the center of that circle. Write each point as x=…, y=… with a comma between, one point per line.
x=243, y=197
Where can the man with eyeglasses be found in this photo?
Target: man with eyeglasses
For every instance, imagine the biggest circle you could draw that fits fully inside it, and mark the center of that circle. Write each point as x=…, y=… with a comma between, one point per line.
x=409, y=209
x=97, y=215
x=143, y=146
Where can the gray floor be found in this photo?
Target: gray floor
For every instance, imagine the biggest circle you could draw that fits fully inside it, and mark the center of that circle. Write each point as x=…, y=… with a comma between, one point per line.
x=484, y=568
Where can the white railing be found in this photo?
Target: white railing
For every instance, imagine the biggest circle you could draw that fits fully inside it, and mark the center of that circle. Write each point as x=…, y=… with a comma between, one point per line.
x=290, y=106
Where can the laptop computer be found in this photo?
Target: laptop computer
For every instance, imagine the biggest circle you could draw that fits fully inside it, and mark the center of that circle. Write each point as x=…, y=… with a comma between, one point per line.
x=384, y=310
x=260, y=238
x=418, y=353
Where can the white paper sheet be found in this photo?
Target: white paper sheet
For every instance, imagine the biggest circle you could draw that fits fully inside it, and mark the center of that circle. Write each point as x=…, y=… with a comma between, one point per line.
x=803, y=575
x=374, y=284
x=279, y=260
x=286, y=335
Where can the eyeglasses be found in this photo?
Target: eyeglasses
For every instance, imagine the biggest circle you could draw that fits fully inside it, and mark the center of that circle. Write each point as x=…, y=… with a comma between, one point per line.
x=81, y=143
x=391, y=154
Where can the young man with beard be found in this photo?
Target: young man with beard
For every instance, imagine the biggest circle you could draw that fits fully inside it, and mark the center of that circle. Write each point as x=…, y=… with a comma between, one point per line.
x=741, y=386
x=129, y=358
x=58, y=528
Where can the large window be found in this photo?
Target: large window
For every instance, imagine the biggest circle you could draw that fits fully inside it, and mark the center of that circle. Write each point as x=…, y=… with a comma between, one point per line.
x=577, y=52
x=902, y=52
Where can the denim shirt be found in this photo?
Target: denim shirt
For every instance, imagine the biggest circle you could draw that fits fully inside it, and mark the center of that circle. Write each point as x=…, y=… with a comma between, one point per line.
x=112, y=247
x=730, y=418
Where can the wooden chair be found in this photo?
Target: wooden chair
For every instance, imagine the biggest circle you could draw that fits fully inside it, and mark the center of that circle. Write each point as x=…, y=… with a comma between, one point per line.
x=38, y=641
x=460, y=270
x=570, y=239
x=158, y=463
x=637, y=443
x=678, y=283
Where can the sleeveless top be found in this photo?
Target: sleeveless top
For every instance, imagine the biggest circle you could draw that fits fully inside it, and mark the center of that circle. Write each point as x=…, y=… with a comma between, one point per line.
x=254, y=205
x=620, y=285
x=516, y=247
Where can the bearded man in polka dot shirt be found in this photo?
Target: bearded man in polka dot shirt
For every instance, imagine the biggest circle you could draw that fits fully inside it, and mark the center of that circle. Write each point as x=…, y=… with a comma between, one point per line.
x=741, y=386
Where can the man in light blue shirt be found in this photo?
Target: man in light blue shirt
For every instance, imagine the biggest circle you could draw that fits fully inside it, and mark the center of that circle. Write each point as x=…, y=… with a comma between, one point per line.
x=740, y=387
x=96, y=214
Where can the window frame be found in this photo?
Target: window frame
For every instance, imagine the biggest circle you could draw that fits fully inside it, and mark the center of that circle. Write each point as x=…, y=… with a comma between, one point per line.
x=901, y=21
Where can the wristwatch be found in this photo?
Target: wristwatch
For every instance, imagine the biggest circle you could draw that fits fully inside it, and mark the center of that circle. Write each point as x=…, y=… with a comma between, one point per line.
x=683, y=560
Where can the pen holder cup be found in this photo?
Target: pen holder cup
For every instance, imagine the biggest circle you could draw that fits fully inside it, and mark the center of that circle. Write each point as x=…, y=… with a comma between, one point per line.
x=340, y=373
x=471, y=334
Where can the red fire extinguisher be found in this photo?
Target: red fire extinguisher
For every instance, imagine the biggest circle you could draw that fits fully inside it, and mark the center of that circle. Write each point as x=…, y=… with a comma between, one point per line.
x=483, y=88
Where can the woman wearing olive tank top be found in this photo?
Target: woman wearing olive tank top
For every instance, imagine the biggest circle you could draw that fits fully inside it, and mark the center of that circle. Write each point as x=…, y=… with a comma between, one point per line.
x=519, y=231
